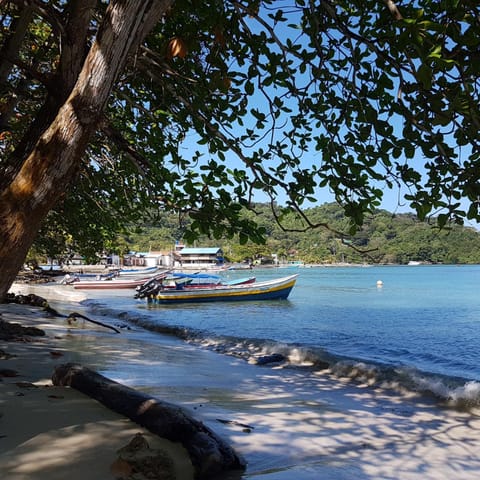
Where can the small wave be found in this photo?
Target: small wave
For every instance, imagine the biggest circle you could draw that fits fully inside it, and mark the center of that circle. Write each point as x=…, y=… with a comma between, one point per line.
x=452, y=391
x=455, y=392
x=458, y=393
x=262, y=351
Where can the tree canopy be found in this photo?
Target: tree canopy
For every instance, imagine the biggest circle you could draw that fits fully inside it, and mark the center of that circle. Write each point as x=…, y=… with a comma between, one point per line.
x=285, y=98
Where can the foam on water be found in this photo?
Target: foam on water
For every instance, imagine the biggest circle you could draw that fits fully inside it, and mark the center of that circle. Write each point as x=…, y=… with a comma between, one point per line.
x=454, y=391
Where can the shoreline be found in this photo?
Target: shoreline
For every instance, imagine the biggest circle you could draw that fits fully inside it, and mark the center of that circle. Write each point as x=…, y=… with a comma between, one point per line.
x=54, y=432
x=300, y=426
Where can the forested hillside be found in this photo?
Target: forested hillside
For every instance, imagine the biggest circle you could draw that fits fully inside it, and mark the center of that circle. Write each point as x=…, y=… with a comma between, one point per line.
x=384, y=238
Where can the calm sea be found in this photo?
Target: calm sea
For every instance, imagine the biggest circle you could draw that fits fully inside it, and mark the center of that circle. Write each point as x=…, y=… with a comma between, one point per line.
x=419, y=329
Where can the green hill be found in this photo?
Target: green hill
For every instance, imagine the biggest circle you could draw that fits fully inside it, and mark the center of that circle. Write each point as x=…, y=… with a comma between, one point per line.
x=384, y=238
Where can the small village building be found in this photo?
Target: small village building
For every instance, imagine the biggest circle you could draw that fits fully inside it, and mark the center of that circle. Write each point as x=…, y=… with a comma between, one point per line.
x=199, y=258
x=134, y=259
x=148, y=259
x=159, y=259
x=75, y=259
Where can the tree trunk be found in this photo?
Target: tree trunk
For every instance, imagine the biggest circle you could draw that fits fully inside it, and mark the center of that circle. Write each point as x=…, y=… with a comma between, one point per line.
x=52, y=163
x=210, y=455
x=73, y=40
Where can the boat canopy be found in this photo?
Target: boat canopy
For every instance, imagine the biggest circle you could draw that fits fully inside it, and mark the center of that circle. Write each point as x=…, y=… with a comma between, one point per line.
x=195, y=275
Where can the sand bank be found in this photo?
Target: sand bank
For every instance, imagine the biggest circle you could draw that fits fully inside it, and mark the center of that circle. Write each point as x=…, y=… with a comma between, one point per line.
x=285, y=423
x=56, y=432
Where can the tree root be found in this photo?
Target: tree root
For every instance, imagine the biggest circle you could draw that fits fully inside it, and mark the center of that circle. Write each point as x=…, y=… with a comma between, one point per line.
x=74, y=315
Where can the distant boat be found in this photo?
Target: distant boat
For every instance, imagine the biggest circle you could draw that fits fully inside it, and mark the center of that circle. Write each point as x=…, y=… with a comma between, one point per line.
x=275, y=289
x=240, y=266
x=292, y=264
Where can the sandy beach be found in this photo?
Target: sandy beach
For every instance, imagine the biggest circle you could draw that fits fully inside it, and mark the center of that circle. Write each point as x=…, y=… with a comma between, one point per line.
x=57, y=432
x=285, y=425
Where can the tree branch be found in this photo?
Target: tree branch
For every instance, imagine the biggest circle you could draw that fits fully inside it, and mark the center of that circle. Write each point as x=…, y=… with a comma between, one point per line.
x=9, y=52
x=74, y=315
x=119, y=140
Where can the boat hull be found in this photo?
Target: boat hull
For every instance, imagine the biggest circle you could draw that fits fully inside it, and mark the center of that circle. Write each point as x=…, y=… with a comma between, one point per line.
x=108, y=284
x=138, y=272
x=116, y=283
x=270, y=290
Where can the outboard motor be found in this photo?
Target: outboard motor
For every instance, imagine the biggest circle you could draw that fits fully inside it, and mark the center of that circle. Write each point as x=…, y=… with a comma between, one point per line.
x=151, y=287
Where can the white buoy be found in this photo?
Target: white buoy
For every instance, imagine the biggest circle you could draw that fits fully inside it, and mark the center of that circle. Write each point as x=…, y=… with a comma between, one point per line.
x=379, y=283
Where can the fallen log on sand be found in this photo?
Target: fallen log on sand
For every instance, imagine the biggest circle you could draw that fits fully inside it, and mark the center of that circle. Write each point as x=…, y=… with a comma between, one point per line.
x=209, y=454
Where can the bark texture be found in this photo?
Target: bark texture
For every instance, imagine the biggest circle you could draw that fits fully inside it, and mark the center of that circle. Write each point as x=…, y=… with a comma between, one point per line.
x=210, y=455
x=51, y=155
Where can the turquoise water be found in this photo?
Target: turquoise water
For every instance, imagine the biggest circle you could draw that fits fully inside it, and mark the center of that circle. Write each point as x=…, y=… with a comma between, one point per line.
x=421, y=326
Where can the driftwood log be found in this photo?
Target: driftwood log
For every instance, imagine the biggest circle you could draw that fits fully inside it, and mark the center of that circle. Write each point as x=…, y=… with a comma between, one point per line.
x=210, y=455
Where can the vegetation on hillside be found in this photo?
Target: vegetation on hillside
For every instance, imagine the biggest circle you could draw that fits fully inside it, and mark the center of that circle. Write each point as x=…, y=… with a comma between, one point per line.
x=384, y=238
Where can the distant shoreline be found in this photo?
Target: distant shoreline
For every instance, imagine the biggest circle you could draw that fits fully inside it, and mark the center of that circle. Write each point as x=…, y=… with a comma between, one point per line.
x=102, y=269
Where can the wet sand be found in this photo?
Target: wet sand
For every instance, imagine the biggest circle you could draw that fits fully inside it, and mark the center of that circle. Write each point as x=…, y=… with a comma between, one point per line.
x=284, y=423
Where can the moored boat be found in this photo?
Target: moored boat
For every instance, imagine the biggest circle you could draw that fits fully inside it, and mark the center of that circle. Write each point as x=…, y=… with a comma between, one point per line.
x=182, y=281
x=137, y=272
x=115, y=282
x=108, y=284
x=200, y=280
x=275, y=289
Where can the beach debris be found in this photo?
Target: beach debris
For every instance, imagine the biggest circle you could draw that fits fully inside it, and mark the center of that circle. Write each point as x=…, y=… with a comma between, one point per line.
x=266, y=359
x=30, y=299
x=137, y=460
x=5, y=355
x=209, y=453
x=51, y=311
x=74, y=315
x=34, y=301
x=246, y=428
x=37, y=301
x=56, y=354
x=26, y=385
x=124, y=325
x=56, y=397
x=137, y=443
x=121, y=469
x=37, y=276
x=7, y=372
x=12, y=331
